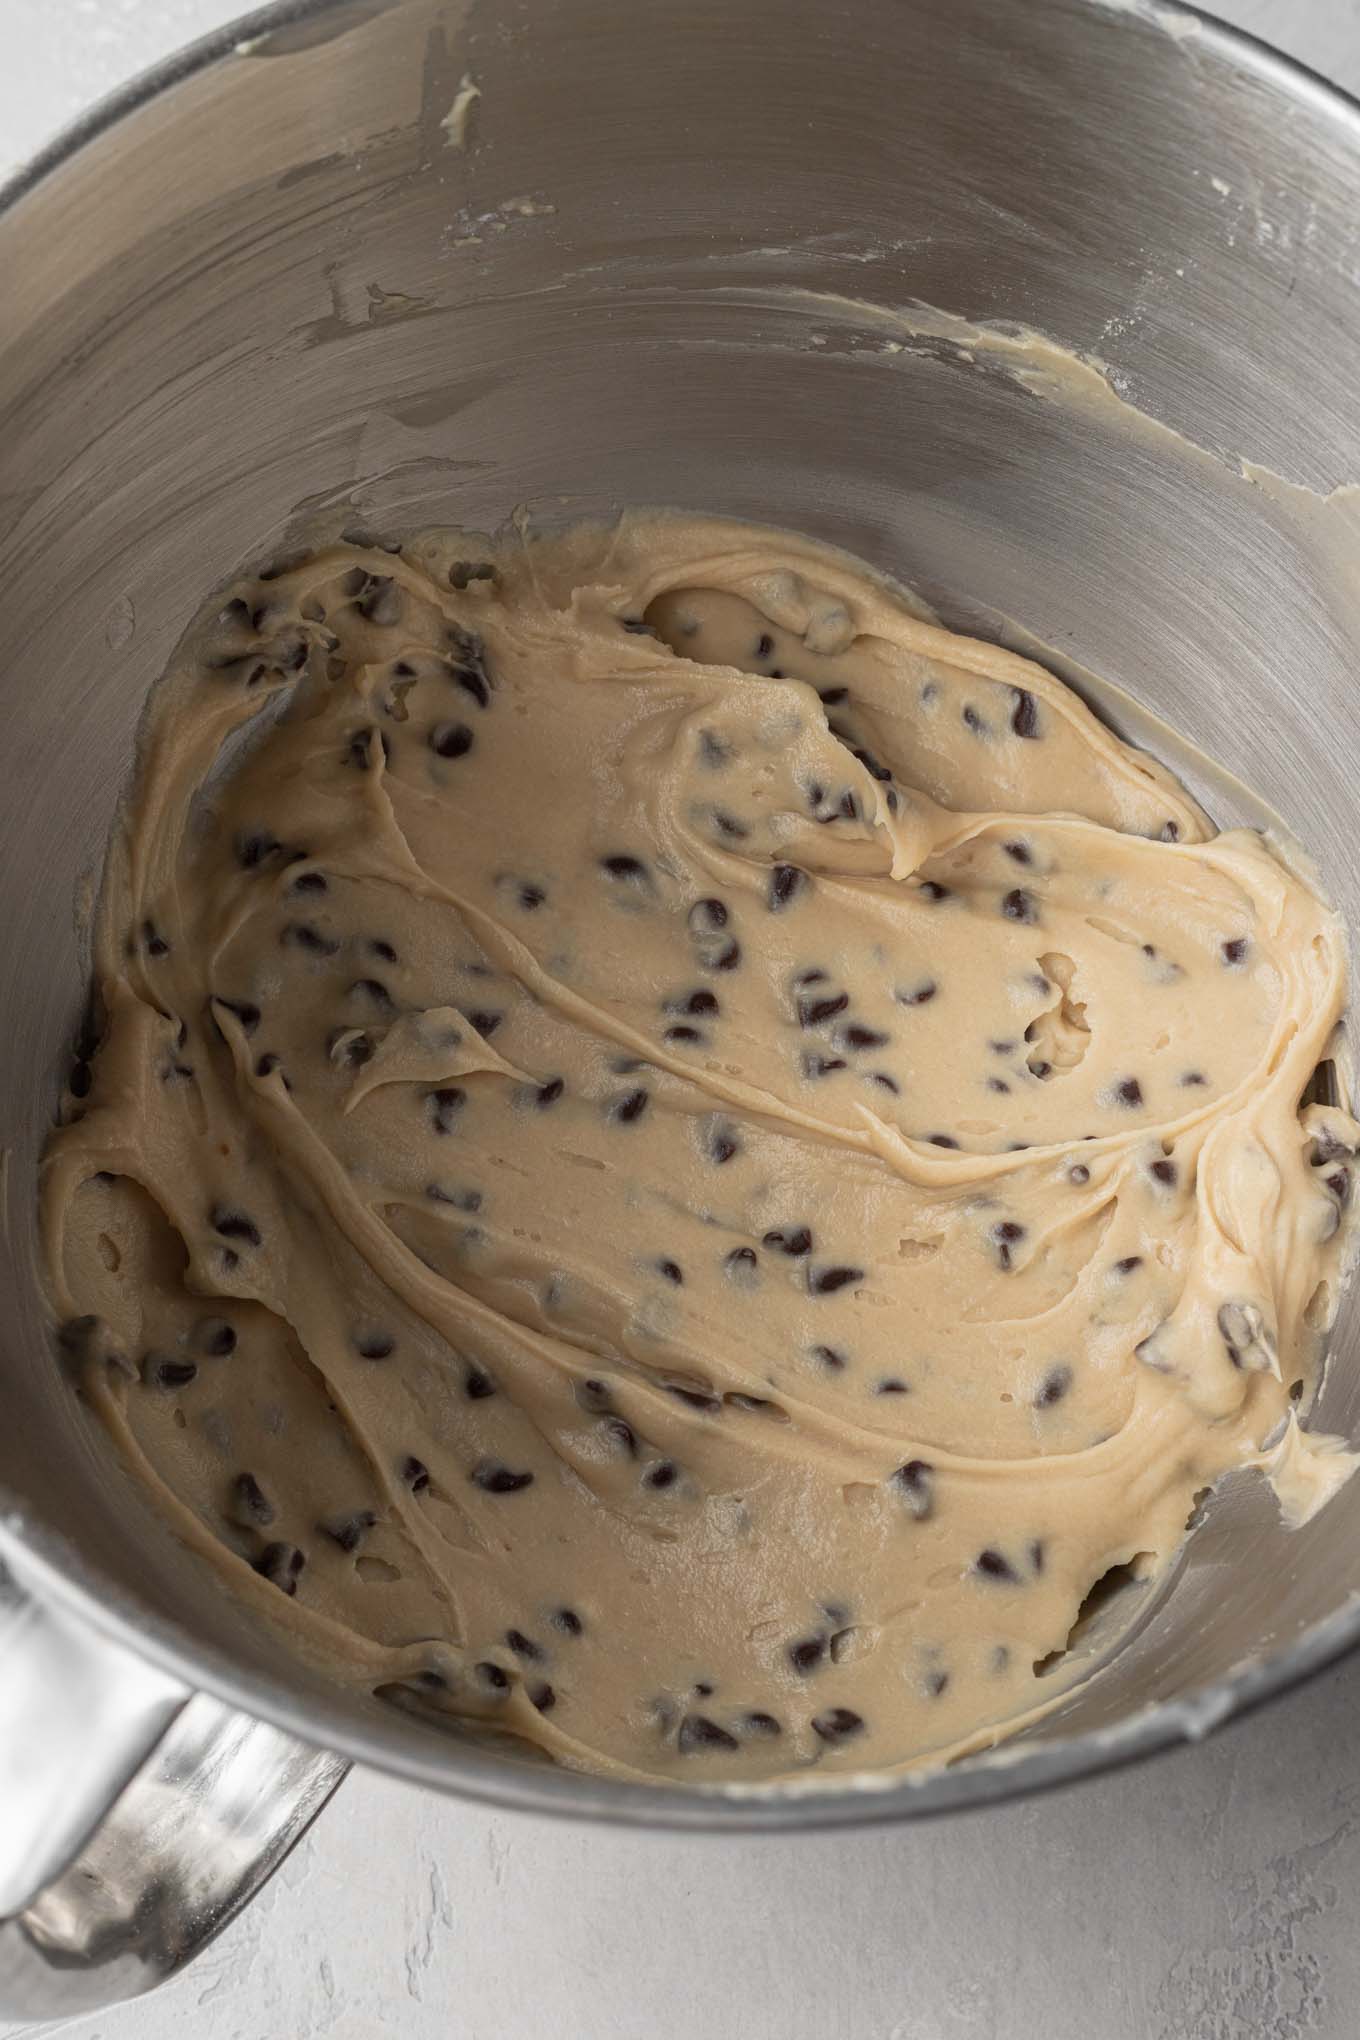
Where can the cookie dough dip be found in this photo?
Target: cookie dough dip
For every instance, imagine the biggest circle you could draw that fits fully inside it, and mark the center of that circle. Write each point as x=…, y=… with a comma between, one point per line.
x=676, y=1160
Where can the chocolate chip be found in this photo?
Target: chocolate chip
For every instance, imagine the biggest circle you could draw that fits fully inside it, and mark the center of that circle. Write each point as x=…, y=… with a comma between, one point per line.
x=567, y=1620
x=374, y=1345
x=932, y=891
x=495, y=1479
x=816, y=1012
x=725, y=958
x=764, y=646
x=256, y=849
x=622, y=1434
x=1024, y=715
x=662, y=1475
x=759, y=1723
x=672, y=1271
x=1128, y=1264
x=215, y=1337
x=246, y=1012
x=858, y=1036
x=890, y=1386
x=234, y=1225
x=375, y=993
x=280, y=1564
x=1170, y=832
x=549, y=1093
x=1164, y=1171
x=807, y=1654
x=1019, y=905
x=920, y=995
x=1193, y=1080
x=707, y=913
x=302, y=935
x=785, y=882
x=837, y=1724
x=492, y=1676
x=829, y=1357
x=1079, y=1174
x=1128, y=1092
x=825, y=1281
x=349, y=1531
x=624, y=867
x=451, y=740
x=478, y=1385
x=542, y=1696
x=993, y=1566
x=1020, y=852
x=630, y=1108
x=1053, y=1387
x=941, y=1140
x=728, y=825
x=524, y=1646
x=723, y=1145
x=415, y=1473
x=795, y=1240
x=972, y=720
x=443, y=1105
x=697, y=1732
x=916, y=1483
x=741, y=1264
x=353, y=1048
x=165, y=1372
x=248, y=1504
x=823, y=1065
x=694, y=1398
x=470, y=673
x=309, y=882
x=153, y=941
x=485, y=1023
x=1235, y=951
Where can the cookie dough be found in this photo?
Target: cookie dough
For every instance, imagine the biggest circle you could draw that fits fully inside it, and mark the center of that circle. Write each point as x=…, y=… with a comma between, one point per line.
x=673, y=1158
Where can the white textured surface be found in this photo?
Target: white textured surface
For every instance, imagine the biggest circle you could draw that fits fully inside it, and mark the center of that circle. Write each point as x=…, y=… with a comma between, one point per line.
x=1210, y=1896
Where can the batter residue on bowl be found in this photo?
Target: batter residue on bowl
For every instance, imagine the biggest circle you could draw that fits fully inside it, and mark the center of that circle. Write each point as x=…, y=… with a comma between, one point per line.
x=680, y=1160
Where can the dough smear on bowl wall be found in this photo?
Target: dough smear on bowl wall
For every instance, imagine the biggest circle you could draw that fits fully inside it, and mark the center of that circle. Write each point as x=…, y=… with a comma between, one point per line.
x=678, y=1160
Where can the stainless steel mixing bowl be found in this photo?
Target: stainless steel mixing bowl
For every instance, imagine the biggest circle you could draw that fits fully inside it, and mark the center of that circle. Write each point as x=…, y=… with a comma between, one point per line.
x=675, y=252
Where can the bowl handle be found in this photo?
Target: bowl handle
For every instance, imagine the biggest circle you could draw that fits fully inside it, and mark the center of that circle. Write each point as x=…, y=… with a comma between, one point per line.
x=136, y=1816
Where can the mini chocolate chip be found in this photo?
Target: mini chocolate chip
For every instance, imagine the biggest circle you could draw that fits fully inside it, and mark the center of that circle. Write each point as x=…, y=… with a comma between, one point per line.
x=478, y=1385
x=234, y=1225
x=890, y=1386
x=309, y=882
x=524, y=1646
x=382, y=950
x=822, y=1065
x=542, y=1696
x=1164, y=1171
x=837, y=1724
x=375, y=992
x=723, y=1145
x=662, y=1475
x=759, y=1723
x=815, y=1012
x=682, y=1032
x=972, y=720
x=622, y=1434
x=825, y=1281
x=374, y=1345
x=785, y=881
x=1024, y=715
x=1019, y=905
x=451, y=740
x=916, y=1482
x=1193, y=1079
x=153, y=941
x=1170, y=832
x=622, y=866
x=168, y=1373
x=1128, y=1092
x=728, y=825
x=485, y=1023
x=492, y=1676
x=920, y=995
x=215, y=1337
x=697, y=1732
x=255, y=849
x=1079, y=1174
x=246, y=1012
x=829, y=1357
x=1128, y=1264
x=249, y=1505
x=280, y=1564
x=567, y=1620
x=495, y=1479
x=941, y=1140
x=549, y=1093
x=302, y=935
x=630, y=1108
x=349, y=1531
x=672, y=1271
x=354, y=1049
x=1020, y=852
x=741, y=1263
x=858, y=1036
x=726, y=958
x=764, y=646
x=694, y=1398
x=1053, y=1387
x=994, y=1567
x=1234, y=951
x=795, y=1240
x=931, y=890
x=415, y=1474
x=443, y=1105
x=807, y=1654
x=849, y=807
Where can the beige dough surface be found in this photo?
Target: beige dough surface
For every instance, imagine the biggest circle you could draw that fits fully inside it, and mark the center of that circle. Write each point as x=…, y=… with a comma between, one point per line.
x=680, y=1159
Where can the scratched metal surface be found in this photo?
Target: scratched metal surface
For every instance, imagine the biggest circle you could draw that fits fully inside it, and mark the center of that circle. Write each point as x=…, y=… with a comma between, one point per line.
x=1208, y=1897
